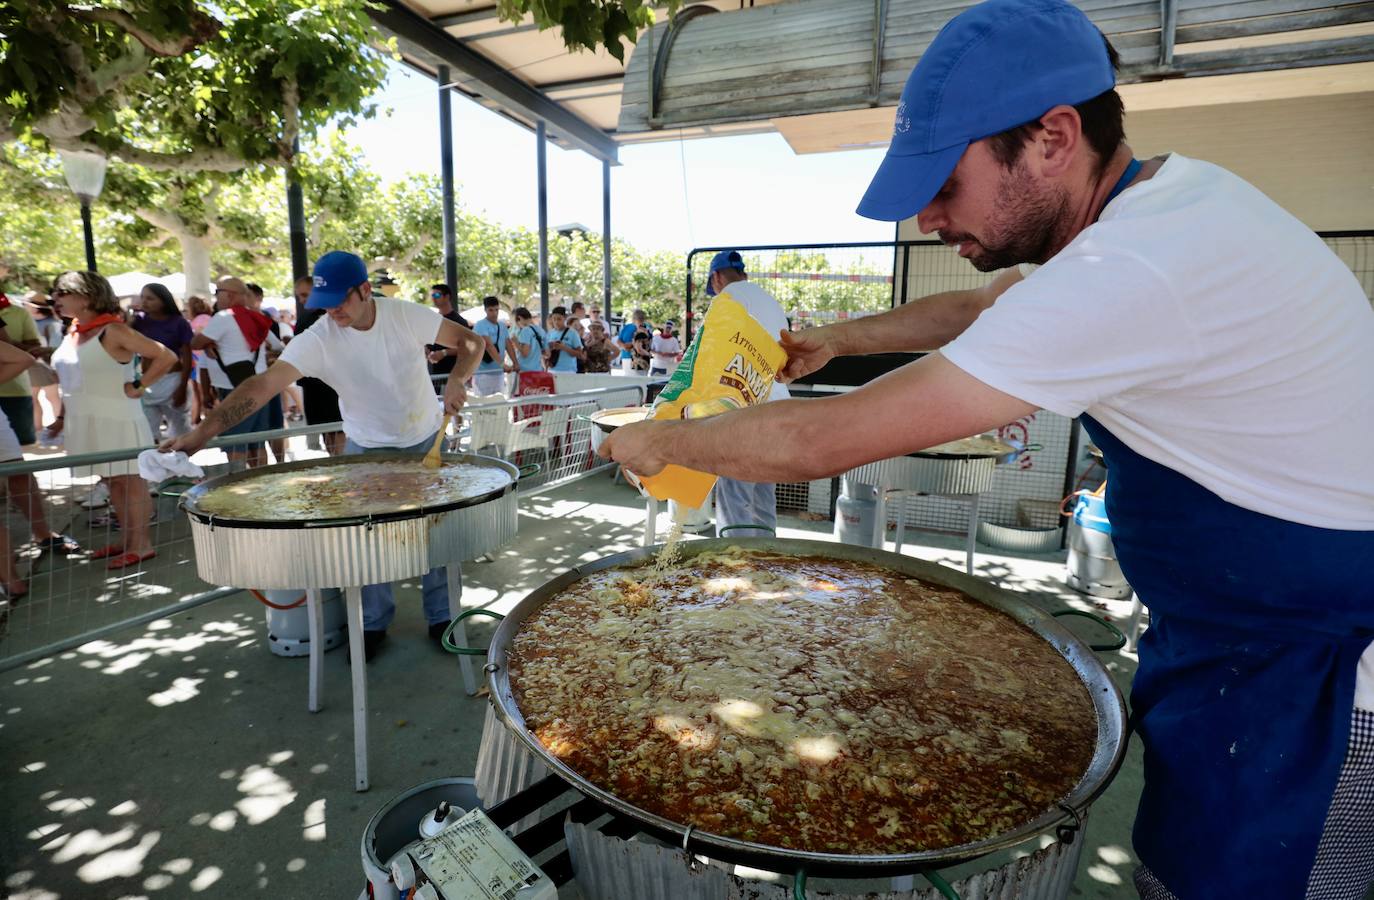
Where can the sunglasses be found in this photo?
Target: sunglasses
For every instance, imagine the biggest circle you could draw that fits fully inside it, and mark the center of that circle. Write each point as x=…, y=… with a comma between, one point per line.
x=436, y=295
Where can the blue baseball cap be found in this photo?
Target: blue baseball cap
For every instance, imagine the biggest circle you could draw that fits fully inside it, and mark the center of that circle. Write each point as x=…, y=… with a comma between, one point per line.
x=336, y=273
x=725, y=259
x=994, y=66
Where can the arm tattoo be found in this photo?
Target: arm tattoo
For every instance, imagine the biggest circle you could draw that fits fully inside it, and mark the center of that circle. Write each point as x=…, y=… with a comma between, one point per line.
x=233, y=410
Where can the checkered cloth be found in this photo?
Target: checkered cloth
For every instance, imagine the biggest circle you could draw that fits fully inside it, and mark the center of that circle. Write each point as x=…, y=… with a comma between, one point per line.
x=1344, y=868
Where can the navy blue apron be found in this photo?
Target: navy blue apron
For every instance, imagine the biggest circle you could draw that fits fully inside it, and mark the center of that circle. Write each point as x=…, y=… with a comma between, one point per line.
x=1246, y=681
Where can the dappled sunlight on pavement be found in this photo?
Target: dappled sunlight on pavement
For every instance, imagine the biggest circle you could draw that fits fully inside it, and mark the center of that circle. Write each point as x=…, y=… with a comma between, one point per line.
x=177, y=759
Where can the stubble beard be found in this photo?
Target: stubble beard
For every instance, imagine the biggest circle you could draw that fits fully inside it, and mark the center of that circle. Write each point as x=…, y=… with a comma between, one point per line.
x=1027, y=222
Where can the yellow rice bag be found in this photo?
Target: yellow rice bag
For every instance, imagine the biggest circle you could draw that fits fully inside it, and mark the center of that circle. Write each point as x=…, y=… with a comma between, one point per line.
x=731, y=364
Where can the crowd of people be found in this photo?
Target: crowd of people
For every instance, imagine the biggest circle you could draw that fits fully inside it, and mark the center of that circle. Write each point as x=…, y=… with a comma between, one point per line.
x=574, y=339
x=89, y=371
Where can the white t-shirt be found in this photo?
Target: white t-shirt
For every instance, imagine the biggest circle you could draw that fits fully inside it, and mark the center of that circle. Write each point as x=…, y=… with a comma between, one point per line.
x=668, y=346
x=767, y=312
x=228, y=337
x=1211, y=332
x=385, y=396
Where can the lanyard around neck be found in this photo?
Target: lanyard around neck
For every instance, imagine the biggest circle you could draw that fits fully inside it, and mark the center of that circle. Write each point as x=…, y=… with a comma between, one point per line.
x=1132, y=170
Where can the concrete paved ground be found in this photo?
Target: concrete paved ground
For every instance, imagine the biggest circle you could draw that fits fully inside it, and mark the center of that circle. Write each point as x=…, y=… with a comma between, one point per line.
x=178, y=760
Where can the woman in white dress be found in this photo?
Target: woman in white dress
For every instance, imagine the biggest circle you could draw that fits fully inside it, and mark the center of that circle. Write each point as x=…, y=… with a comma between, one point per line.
x=101, y=399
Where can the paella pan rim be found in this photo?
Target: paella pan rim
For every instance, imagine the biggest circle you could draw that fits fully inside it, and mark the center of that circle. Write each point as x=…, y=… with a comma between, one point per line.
x=1106, y=698
x=190, y=500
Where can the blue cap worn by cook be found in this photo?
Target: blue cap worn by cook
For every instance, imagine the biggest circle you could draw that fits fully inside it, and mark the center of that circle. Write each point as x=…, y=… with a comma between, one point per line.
x=993, y=67
x=336, y=273
x=725, y=259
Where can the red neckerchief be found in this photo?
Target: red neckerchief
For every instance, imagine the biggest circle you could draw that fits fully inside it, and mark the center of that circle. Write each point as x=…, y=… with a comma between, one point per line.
x=5, y=301
x=253, y=324
x=100, y=321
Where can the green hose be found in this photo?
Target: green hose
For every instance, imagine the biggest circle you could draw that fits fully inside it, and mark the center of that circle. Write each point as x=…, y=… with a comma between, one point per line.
x=941, y=885
x=799, y=885
x=447, y=639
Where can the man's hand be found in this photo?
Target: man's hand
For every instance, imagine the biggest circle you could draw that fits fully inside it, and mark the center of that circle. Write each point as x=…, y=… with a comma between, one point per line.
x=639, y=446
x=132, y=391
x=807, y=351
x=455, y=395
x=437, y=356
x=189, y=443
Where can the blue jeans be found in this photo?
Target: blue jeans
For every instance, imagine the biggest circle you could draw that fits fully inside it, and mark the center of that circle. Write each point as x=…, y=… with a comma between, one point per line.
x=379, y=602
x=745, y=503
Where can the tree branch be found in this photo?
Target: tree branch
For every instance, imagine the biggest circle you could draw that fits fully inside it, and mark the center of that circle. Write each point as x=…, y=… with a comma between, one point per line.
x=169, y=222
x=291, y=118
x=202, y=27
x=111, y=76
x=403, y=262
x=317, y=228
x=159, y=242
x=200, y=159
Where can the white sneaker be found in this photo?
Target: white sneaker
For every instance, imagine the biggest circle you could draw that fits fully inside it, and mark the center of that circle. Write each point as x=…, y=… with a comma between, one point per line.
x=98, y=497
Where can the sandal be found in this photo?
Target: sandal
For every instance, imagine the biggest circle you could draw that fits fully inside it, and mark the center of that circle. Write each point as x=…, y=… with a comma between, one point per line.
x=111, y=550
x=60, y=543
x=129, y=559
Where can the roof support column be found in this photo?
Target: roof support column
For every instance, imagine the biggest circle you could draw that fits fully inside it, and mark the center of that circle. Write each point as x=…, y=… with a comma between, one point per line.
x=543, y=182
x=606, y=238
x=446, y=181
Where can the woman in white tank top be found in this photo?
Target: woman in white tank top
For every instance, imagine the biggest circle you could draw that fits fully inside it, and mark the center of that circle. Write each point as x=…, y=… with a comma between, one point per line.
x=102, y=410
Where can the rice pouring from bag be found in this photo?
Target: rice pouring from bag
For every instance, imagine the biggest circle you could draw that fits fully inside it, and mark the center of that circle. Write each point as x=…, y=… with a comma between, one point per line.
x=732, y=364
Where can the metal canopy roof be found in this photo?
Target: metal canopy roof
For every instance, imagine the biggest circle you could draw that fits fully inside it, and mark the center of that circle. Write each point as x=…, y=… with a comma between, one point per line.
x=822, y=56
x=826, y=73
x=524, y=73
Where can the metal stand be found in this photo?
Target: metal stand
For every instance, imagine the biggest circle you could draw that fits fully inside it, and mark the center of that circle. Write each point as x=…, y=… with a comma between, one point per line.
x=650, y=521
x=459, y=636
x=880, y=523
x=353, y=600
x=315, y=613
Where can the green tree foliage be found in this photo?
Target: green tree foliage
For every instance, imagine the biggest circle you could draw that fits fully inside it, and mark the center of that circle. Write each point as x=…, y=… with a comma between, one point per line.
x=589, y=24
x=184, y=86
x=243, y=227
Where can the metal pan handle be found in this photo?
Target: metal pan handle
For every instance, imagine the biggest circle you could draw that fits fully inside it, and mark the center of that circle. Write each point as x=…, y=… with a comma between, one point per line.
x=1120, y=638
x=447, y=639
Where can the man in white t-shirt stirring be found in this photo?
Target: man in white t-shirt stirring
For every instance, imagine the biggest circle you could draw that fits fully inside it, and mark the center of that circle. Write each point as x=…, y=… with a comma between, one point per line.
x=1220, y=356
x=369, y=350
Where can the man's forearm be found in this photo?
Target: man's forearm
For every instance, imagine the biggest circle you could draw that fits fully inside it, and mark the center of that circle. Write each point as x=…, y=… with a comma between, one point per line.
x=925, y=324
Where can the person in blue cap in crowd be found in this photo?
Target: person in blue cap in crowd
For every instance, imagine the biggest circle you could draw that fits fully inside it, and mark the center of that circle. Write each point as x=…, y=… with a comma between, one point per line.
x=745, y=508
x=1219, y=355
x=370, y=349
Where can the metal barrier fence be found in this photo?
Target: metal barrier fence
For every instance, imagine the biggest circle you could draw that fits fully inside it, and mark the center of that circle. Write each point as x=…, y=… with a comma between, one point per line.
x=74, y=599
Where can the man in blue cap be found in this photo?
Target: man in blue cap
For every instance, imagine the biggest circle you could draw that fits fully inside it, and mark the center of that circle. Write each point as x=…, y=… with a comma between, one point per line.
x=371, y=350
x=1218, y=354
